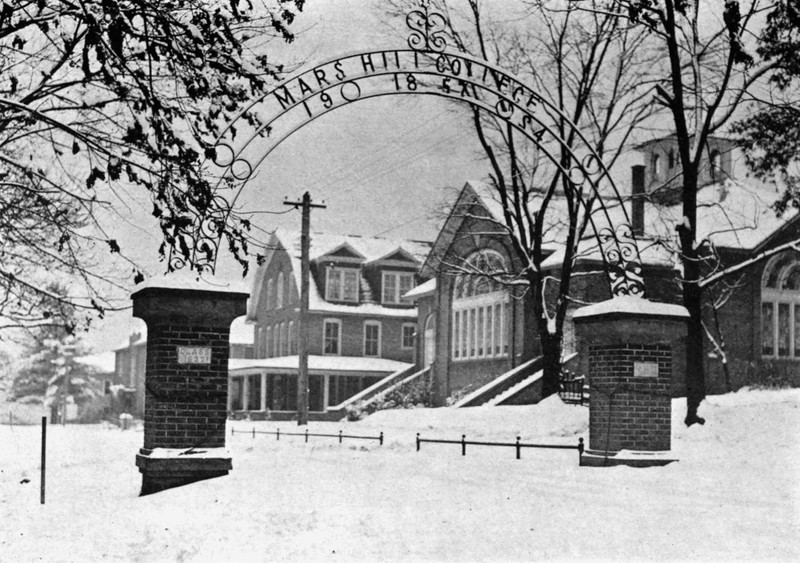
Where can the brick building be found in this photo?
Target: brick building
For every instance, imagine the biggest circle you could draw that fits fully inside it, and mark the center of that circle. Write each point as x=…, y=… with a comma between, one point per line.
x=481, y=337
x=361, y=328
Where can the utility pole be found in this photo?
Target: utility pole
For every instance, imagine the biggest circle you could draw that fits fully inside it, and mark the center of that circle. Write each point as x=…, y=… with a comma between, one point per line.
x=303, y=328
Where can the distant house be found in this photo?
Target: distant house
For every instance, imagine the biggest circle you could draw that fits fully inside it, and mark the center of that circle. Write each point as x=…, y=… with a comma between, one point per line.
x=481, y=337
x=131, y=356
x=361, y=328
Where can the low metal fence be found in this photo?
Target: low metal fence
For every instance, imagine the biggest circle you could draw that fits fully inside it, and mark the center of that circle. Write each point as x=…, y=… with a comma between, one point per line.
x=573, y=389
x=277, y=433
x=517, y=444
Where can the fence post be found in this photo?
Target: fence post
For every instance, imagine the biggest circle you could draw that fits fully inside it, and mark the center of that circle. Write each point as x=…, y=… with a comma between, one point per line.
x=232, y=430
x=254, y=432
x=306, y=435
x=417, y=441
x=278, y=434
x=518, y=447
x=380, y=439
x=44, y=449
x=463, y=444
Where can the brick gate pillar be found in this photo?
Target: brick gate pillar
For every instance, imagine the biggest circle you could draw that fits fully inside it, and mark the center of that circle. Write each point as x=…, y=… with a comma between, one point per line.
x=631, y=350
x=186, y=383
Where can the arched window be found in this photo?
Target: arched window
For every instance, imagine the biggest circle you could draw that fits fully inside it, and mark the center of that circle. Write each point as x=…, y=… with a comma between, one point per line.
x=268, y=343
x=481, y=309
x=292, y=339
x=780, y=306
x=657, y=167
x=276, y=341
x=279, y=292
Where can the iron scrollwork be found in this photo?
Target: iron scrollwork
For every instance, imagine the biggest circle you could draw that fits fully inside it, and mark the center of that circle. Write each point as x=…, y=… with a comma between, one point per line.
x=622, y=258
x=195, y=240
x=427, y=28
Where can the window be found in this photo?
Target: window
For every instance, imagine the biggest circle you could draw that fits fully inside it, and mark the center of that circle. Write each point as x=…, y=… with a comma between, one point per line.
x=715, y=164
x=780, y=307
x=292, y=339
x=276, y=341
x=372, y=339
x=253, y=393
x=282, y=345
x=657, y=172
x=395, y=285
x=270, y=295
x=409, y=332
x=332, y=329
x=236, y=394
x=268, y=343
x=342, y=284
x=481, y=310
x=279, y=292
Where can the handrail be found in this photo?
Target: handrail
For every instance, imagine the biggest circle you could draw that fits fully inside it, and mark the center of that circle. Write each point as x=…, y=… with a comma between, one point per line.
x=372, y=389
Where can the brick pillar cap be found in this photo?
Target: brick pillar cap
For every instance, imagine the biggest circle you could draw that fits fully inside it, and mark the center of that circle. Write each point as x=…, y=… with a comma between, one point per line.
x=182, y=284
x=628, y=306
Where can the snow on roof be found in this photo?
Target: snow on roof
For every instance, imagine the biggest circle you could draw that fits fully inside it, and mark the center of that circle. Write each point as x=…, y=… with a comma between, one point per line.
x=731, y=214
x=423, y=289
x=650, y=253
x=631, y=305
x=371, y=248
x=320, y=363
x=103, y=362
x=241, y=332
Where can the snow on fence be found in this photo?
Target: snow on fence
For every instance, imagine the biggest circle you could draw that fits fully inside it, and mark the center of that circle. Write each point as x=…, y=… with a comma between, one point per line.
x=573, y=389
x=518, y=445
x=306, y=434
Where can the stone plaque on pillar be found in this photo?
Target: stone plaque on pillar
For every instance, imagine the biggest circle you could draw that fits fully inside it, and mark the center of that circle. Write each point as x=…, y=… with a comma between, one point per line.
x=186, y=383
x=631, y=351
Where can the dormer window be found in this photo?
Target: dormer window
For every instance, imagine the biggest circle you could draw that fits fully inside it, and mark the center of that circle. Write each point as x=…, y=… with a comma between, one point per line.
x=342, y=284
x=395, y=285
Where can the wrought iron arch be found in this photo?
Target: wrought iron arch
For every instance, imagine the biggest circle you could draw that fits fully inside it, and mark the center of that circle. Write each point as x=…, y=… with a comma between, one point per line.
x=428, y=68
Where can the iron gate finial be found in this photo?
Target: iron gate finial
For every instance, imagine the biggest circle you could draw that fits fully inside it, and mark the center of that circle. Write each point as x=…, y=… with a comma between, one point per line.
x=427, y=28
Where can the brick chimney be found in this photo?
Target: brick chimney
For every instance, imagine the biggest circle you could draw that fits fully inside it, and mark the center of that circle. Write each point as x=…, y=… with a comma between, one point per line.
x=637, y=199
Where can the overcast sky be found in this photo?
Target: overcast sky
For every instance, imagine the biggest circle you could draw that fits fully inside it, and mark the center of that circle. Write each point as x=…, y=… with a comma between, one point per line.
x=383, y=167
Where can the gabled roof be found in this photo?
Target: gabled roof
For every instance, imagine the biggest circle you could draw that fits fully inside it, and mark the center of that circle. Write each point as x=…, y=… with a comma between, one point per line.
x=322, y=245
x=344, y=251
x=398, y=256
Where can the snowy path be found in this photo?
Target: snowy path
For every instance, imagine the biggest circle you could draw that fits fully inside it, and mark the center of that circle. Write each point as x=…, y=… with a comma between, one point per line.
x=733, y=495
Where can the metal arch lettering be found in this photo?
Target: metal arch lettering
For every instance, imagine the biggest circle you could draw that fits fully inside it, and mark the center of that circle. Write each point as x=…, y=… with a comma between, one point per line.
x=460, y=77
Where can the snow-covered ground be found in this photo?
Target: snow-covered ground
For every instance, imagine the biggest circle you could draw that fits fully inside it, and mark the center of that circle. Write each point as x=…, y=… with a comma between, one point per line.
x=735, y=494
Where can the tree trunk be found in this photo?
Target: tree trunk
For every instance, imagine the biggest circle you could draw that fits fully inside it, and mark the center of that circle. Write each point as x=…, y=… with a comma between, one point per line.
x=551, y=352
x=695, y=369
x=692, y=300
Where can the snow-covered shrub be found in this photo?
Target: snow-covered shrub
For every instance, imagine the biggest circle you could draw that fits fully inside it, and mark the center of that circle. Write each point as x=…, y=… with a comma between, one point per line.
x=415, y=394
